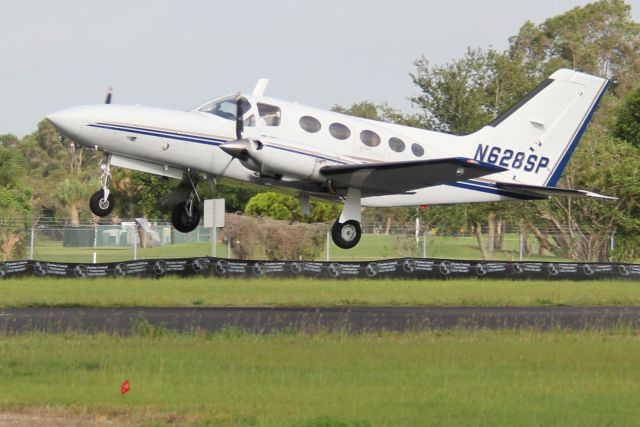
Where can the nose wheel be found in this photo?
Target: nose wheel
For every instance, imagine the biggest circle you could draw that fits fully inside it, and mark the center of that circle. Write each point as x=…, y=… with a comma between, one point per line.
x=101, y=205
x=347, y=234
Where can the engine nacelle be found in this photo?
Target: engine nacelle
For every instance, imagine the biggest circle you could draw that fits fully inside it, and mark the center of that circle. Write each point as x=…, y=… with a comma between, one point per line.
x=275, y=159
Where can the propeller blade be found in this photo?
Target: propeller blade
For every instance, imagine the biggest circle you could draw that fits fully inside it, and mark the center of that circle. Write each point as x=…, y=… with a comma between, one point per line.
x=239, y=119
x=108, y=100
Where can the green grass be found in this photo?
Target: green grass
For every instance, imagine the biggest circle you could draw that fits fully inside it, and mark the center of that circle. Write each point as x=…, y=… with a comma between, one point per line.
x=53, y=251
x=479, y=378
x=181, y=292
x=371, y=246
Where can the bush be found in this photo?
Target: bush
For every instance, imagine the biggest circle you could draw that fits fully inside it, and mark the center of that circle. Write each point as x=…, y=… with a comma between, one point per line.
x=284, y=207
x=281, y=240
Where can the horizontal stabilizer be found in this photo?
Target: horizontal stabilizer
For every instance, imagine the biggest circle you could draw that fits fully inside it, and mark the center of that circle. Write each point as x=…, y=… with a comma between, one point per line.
x=546, y=192
x=400, y=177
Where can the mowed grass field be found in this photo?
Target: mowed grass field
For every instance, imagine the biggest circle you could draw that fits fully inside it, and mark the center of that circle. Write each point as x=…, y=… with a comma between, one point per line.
x=471, y=378
x=372, y=246
x=433, y=378
x=192, y=292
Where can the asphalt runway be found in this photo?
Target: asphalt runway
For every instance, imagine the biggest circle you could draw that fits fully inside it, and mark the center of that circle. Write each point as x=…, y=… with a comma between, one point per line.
x=311, y=319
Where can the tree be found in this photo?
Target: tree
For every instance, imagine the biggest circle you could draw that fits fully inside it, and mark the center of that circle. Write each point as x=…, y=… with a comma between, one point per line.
x=627, y=125
x=9, y=140
x=462, y=96
x=70, y=194
x=15, y=201
x=599, y=38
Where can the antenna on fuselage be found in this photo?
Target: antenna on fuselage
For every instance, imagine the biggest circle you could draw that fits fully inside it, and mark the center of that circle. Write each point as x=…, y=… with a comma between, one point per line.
x=109, y=92
x=261, y=86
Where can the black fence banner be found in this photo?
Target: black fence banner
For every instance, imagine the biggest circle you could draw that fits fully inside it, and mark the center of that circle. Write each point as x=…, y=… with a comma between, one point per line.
x=400, y=268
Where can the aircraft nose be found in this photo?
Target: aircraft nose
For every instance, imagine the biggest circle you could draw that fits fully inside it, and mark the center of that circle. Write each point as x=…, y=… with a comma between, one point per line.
x=68, y=121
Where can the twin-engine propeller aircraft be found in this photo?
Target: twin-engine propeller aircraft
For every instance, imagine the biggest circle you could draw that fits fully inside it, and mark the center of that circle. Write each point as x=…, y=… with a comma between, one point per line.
x=249, y=137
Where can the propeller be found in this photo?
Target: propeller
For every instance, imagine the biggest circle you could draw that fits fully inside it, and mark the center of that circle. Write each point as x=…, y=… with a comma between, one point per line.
x=108, y=100
x=242, y=147
x=239, y=118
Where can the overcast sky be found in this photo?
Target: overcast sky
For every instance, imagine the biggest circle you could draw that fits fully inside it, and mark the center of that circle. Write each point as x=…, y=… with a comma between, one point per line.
x=178, y=54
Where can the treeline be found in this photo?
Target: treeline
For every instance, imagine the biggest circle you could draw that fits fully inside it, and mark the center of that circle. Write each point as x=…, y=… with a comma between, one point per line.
x=42, y=175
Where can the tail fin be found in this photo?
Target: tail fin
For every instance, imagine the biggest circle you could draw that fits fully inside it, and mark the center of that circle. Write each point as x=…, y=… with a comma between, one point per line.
x=536, y=137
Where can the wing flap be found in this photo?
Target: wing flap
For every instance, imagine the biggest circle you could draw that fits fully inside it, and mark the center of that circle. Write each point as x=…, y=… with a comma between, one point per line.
x=401, y=177
x=546, y=192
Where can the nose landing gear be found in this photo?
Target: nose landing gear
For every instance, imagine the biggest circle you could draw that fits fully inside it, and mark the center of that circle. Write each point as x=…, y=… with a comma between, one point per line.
x=101, y=202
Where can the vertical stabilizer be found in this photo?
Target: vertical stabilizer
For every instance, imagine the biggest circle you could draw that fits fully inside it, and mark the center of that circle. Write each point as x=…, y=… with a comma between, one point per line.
x=536, y=137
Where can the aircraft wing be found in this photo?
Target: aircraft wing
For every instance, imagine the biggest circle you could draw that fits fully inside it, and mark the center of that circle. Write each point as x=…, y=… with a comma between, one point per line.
x=401, y=177
x=546, y=192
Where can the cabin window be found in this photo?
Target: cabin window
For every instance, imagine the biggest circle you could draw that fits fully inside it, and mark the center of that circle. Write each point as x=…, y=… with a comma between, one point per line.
x=310, y=124
x=339, y=131
x=369, y=138
x=417, y=150
x=270, y=114
x=396, y=144
x=226, y=108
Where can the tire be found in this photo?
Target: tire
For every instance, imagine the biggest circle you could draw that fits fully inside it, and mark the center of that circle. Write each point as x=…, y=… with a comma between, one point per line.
x=99, y=206
x=347, y=234
x=181, y=220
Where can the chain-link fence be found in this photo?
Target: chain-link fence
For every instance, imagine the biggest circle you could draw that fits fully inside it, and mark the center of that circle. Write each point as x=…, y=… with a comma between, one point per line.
x=139, y=239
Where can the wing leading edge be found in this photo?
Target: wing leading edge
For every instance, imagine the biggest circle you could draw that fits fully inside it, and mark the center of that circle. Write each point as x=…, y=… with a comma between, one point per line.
x=401, y=177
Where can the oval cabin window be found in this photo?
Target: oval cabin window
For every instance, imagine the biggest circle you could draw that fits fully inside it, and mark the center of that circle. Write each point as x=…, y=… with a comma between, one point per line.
x=310, y=124
x=339, y=131
x=369, y=138
x=396, y=144
x=417, y=150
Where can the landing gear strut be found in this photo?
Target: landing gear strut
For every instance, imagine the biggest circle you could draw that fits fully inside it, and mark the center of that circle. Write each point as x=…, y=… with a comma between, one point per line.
x=101, y=203
x=346, y=231
x=185, y=216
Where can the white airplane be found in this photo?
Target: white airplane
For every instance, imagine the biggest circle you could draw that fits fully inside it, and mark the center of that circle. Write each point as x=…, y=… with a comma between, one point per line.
x=249, y=137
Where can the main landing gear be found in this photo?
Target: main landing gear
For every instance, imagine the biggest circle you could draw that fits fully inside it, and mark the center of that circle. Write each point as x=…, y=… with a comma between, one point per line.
x=346, y=231
x=101, y=203
x=186, y=216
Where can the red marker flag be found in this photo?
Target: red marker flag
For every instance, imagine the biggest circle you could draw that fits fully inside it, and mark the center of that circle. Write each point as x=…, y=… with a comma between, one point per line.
x=124, y=387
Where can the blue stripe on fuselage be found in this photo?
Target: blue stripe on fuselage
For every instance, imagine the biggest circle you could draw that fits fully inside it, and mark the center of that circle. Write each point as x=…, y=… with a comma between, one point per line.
x=162, y=134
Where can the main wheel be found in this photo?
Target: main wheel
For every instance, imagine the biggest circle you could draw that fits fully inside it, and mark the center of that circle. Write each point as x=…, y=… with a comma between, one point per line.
x=182, y=221
x=99, y=205
x=347, y=234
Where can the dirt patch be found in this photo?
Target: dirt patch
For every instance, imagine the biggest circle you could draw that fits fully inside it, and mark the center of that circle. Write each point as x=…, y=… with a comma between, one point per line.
x=49, y=419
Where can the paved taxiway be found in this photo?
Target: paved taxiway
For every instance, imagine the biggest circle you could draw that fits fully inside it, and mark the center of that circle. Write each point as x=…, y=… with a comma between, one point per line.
x=311, y=319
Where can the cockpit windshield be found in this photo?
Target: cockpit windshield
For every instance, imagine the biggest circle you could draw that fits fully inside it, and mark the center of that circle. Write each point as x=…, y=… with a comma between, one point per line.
x=226, y=108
